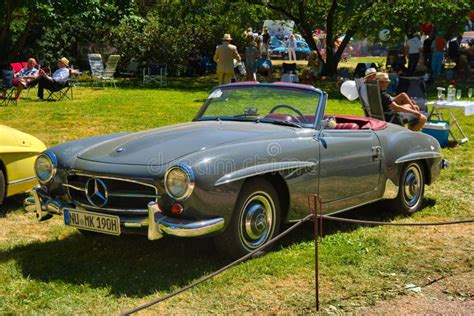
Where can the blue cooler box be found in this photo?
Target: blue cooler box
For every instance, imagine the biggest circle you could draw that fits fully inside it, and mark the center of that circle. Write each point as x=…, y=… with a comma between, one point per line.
x=439, y=130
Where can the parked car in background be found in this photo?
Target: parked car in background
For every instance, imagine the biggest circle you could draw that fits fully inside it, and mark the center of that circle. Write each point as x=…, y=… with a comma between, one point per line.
x=302, y=49
x=243, y=166
x=18, y=153
x=278, y=49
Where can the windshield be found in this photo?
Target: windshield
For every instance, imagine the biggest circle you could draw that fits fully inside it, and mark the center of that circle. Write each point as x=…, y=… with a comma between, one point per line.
x=267, y=104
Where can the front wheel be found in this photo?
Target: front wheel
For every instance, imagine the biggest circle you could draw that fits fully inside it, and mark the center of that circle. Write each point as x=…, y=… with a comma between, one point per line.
x=411, y=189
x=255, y=220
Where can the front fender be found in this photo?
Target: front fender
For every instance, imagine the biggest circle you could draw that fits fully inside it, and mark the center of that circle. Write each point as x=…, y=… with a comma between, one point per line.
x=265, y=168
x=401, y=145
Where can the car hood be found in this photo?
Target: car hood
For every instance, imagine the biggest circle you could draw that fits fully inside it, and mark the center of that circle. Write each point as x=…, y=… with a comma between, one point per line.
x=162, y=145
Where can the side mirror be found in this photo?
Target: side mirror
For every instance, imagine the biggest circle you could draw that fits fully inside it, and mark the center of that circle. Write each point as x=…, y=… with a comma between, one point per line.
x=327, y=123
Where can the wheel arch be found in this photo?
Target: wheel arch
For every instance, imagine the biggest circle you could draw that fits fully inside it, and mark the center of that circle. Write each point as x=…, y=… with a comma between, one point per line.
x=4, y=170
x=280, y=185
x=426, y=164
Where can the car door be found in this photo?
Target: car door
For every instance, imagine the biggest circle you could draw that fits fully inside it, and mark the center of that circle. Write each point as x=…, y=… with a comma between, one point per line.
x=350, y=166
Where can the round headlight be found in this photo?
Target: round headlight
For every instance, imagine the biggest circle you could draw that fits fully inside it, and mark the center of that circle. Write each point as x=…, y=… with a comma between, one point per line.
x=45, y=168
x=179, y=182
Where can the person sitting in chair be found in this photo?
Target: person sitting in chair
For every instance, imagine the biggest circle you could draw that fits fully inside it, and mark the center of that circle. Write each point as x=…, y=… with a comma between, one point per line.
x=25, y=75
x=264, y=66
x=369, y=75
x=401, y=103
x=53, y=83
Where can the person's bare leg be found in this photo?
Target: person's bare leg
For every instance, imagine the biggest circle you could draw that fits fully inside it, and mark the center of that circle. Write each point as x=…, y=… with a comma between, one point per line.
x=416, y=127
x=19, y=88
x=403, y=98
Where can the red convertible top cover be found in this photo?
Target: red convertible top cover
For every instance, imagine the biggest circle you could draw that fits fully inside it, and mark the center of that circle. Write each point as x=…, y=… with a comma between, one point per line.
x=363, y=122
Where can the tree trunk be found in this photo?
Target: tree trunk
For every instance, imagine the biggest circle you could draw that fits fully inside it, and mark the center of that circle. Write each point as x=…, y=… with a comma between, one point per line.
x=5, y=35
x=330, y=67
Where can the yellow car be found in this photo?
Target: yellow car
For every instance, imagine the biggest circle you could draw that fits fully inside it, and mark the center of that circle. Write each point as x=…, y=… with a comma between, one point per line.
x=18, y=152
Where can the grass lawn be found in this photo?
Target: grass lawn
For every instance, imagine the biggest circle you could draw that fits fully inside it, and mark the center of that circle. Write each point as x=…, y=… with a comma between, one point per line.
x=48, y=268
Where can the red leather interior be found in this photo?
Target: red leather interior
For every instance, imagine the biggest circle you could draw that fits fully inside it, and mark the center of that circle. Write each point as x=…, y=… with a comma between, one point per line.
x=281, y=117
x=360, y=121
x=363, y=122
x=346, y=126
x=342, y=121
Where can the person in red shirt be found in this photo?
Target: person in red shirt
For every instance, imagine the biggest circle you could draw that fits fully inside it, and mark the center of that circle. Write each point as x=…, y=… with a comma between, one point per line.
x=438, y=47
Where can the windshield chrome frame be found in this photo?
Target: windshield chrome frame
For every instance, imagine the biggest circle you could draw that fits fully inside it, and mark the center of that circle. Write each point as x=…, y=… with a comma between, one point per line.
x=319, y=111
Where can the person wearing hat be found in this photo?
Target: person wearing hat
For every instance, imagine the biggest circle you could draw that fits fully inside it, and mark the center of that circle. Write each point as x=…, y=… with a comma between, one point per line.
x=370, y=74
x=410, y=112
x=55, y=82
x=362, y=89
x=224, y=58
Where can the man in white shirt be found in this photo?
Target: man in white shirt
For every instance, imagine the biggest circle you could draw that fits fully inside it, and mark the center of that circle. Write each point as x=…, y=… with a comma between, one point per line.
x=55, y=82
x=414, y=46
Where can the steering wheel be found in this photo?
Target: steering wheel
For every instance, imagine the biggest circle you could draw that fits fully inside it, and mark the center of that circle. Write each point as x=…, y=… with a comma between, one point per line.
x=300, y=118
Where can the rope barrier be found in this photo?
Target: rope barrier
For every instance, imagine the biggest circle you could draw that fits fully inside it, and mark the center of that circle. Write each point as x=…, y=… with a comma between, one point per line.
x=318, y=222
x=376, y=223
x=210, y=276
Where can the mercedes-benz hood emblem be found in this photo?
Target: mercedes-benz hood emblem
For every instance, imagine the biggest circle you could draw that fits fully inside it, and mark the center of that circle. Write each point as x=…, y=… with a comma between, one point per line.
x=96, y=192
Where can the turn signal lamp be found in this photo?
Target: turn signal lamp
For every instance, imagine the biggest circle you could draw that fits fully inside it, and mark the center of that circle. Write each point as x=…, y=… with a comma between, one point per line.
x=177, y=209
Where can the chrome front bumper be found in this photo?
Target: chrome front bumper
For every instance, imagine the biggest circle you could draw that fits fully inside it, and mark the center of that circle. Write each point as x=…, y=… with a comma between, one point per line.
x=157, y=223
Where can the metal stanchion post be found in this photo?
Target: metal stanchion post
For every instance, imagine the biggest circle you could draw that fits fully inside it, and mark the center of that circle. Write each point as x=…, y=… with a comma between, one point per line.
x=313, y=201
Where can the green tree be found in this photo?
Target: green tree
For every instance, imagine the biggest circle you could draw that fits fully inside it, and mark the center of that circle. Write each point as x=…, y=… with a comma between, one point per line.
x=169, y=31
x=49, y=28
x=366, y=18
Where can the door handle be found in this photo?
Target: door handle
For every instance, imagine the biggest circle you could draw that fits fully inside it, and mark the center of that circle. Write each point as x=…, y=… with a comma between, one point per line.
x=376, y=153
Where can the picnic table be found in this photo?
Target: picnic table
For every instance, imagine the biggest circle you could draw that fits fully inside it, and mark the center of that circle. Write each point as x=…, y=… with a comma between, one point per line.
x=466, y=106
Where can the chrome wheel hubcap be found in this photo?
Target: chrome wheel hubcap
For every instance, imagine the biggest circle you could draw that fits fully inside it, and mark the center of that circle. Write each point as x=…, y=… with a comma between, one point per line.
x=257, y=220
x=412, y=184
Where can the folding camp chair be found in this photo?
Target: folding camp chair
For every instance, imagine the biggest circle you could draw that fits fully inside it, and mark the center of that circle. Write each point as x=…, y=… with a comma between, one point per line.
x=7, y=89
x=97, y=67
x=364, y=101
x=155, y=74
x=16, y=67
x=110, y=69
x=64, y=93
x=289, y=73
x=132, y=69
x=375, y=104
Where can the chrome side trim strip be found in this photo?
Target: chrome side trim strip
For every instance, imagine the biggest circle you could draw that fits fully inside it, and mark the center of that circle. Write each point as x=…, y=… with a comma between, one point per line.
x=74, y=187
x=22, y=180
x=262, y=169
x=418, y=156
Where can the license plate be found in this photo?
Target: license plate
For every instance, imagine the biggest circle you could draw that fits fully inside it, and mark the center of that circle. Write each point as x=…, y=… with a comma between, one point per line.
x=100, y=223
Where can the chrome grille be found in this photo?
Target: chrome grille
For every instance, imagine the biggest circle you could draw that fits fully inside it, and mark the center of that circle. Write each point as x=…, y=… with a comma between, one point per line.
x=119, y=195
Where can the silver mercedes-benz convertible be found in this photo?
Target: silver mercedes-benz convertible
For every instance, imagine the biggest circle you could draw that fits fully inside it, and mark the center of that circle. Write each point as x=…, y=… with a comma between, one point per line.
x=243, y=166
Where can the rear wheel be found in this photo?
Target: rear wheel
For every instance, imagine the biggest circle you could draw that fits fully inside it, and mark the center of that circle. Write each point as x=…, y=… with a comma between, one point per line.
x=255, y=220
x=411, y=189
x=2, y=187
